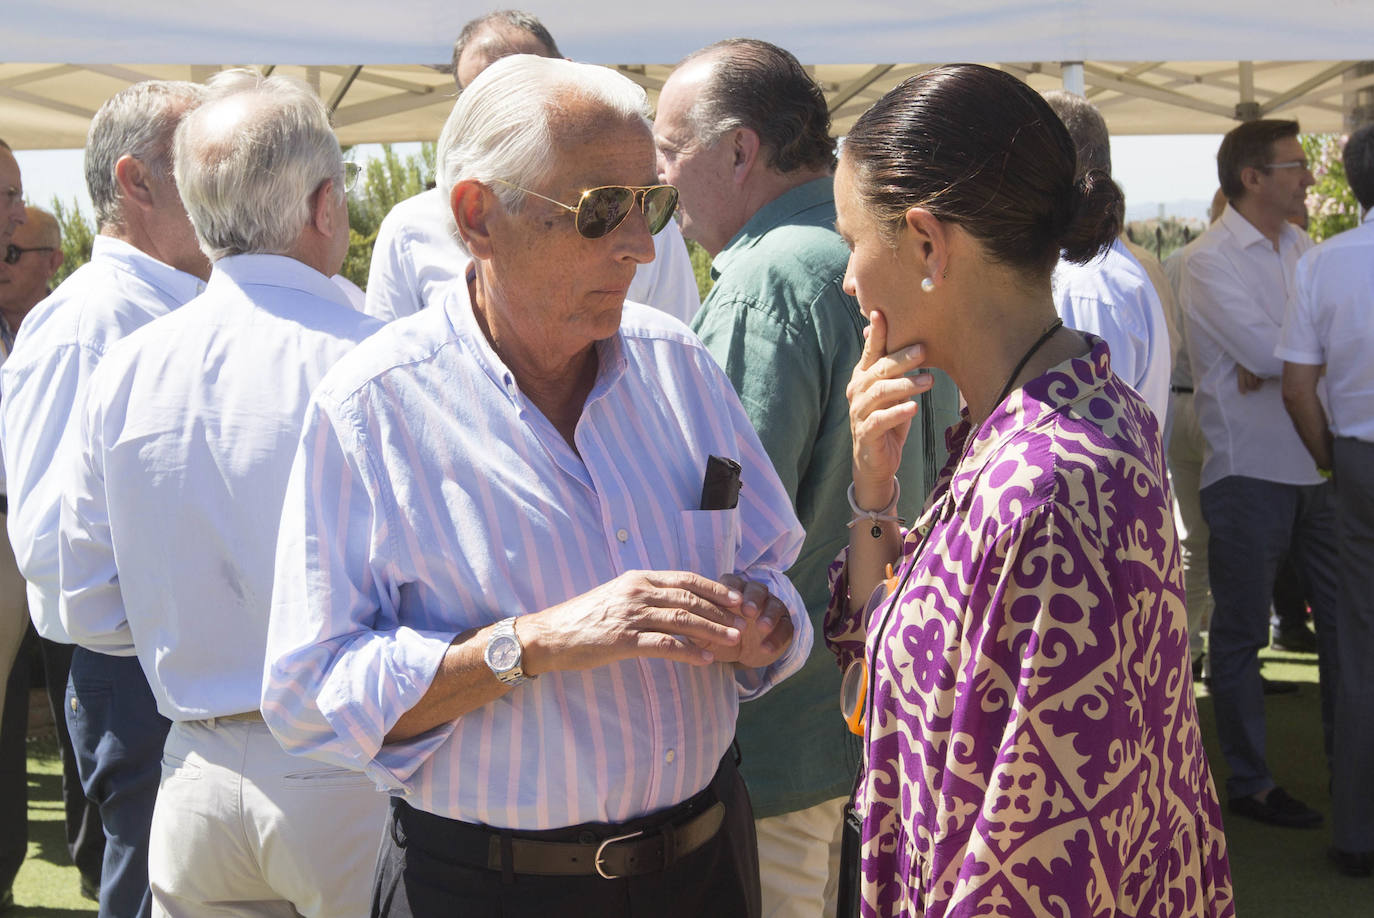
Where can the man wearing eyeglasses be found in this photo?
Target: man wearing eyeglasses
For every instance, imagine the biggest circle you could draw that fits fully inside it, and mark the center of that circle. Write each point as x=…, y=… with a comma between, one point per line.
x=531, y=555
x=144, y=263
x=745, y=133
x=186, y=441
x=1262, y=496
x=417, y=256
x=30, y=260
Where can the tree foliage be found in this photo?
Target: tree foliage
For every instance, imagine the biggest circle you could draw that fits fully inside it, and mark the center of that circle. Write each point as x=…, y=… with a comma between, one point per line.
x=1331, y=205
x=1163, y=236
x=78, y=234
x=387, y=180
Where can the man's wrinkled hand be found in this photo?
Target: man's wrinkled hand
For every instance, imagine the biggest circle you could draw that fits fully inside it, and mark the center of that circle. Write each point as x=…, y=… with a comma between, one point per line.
x=768, y=629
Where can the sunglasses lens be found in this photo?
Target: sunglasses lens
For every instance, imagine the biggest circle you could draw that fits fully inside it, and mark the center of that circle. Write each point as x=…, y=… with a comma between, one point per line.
x=659, y=204
x=603, y=209
x=12, y=254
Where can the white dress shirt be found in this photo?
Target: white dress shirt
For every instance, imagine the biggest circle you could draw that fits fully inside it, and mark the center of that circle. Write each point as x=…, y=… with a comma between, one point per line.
x=1330, y=320
x=42, y=385
x=417, y=257
x=186, y=440
x=431, y=496
x=1112, y=297
x=1235, y=286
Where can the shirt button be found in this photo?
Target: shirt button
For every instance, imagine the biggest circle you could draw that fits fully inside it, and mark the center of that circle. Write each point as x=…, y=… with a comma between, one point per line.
x=622, y=535
x=73, y=704
x=670, y=756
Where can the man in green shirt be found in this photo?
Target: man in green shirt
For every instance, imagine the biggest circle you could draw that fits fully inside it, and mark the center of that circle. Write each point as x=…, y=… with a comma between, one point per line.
x=745, y=135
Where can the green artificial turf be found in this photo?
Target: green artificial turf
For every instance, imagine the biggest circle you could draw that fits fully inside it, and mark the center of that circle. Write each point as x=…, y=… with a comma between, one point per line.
x=1277, y=872
x=48, y=884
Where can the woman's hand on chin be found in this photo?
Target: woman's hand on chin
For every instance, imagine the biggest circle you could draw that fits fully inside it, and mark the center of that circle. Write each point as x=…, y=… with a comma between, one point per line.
x=882, y=406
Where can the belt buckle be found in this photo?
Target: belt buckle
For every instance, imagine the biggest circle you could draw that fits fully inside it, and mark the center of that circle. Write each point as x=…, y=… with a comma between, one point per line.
x=601, y=853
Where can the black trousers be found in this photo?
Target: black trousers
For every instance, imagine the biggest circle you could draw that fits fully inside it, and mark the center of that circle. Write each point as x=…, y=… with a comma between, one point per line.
x=85, y=837
x=720, y=879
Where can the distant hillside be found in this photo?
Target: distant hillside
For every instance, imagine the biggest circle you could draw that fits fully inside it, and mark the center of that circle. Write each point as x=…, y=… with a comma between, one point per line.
x=1151, y=210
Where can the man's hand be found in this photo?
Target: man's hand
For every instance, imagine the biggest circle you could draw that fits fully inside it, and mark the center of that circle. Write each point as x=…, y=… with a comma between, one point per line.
x=768, y=626
x=1246, y=381
x=672, y=615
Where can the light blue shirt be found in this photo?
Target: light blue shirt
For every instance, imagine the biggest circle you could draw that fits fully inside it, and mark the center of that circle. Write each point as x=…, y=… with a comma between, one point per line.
x=42, y=384
x=431, y=496
x=169, y=516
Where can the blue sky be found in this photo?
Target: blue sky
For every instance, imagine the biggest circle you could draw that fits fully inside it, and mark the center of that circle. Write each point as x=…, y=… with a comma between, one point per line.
x=1150, y=168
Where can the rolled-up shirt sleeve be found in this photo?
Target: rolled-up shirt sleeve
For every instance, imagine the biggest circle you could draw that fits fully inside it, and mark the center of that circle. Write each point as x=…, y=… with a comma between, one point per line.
x=340, y=668
x=91, y=607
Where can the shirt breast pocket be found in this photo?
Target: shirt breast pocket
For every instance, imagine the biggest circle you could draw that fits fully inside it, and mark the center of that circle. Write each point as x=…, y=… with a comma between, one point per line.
x=709, y=541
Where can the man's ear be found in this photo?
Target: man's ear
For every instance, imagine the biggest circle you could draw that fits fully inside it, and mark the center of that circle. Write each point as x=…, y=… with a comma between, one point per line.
x=54, y=262
x=135, y=182
x=473, y=206
x=745, y=149
x=1250, y=178
x=323, y=213
x=930, y=239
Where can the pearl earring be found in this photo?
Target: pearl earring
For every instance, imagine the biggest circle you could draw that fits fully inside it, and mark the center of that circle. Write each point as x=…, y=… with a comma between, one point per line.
x=927, y=285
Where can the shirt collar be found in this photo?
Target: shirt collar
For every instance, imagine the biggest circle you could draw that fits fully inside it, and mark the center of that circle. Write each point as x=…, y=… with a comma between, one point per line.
x=276, y=271
x=462, y=316
x=176, y=285
x=782, y=209
x=1247, y=235
x=1039, y=400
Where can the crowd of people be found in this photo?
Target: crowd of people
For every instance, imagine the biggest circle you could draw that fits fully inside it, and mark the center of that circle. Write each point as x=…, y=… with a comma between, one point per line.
x=517, y=584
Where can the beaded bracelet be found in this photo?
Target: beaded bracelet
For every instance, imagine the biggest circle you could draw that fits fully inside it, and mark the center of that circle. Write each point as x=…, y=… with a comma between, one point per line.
x=885, y=515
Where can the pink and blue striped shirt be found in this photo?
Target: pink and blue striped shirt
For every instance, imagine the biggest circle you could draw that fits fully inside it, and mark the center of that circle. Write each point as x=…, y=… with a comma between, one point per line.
x=429, y=496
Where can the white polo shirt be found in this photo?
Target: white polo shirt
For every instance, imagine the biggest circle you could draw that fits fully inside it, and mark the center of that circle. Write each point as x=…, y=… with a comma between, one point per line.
x=1235, y=286
x=1330, y=320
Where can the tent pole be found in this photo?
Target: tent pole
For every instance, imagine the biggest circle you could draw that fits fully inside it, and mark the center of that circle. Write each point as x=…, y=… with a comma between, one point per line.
x=1072, y=74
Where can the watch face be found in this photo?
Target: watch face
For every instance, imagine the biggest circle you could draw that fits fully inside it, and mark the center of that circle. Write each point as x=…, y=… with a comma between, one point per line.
x=503, y=653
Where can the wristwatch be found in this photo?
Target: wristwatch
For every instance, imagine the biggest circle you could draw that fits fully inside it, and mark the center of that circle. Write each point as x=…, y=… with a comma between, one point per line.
x=504, y=654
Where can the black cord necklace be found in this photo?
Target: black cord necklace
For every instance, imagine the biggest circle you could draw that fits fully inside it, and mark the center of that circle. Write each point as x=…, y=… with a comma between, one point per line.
x=895, y=595
x=1025, y=358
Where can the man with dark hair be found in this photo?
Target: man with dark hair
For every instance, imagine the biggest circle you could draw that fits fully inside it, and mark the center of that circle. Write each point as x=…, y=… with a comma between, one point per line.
x=744, y=134
x=496, y=35
x=144, y=263
x=1113, y=296
x=1262, y=496
x=417, y=257
x=1327, y=331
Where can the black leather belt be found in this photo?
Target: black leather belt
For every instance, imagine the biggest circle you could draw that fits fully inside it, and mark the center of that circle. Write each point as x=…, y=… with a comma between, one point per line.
x=640, y=846
x=628, y=855
x=1181, y=390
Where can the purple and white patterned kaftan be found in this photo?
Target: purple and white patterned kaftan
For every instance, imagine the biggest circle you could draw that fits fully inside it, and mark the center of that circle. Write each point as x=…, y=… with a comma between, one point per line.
x=1033, y=745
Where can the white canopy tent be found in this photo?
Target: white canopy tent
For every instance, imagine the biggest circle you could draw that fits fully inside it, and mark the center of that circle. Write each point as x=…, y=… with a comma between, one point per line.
x=1152, y=66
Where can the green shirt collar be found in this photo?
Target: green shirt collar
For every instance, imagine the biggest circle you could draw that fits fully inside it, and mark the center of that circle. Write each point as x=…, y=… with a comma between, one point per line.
x=782, y=209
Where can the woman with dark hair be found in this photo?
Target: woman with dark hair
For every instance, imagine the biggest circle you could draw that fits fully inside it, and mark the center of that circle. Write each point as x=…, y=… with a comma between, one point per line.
x=1018, y=658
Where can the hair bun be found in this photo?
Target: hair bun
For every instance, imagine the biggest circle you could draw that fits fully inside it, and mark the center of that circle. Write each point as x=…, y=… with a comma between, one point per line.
x=1096, y=219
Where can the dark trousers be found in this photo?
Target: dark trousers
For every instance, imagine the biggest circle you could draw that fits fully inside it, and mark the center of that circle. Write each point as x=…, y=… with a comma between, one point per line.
x=118, y=734
x=1255, y=525
x=1352, y=773
x=85, y=839
x=418, y=878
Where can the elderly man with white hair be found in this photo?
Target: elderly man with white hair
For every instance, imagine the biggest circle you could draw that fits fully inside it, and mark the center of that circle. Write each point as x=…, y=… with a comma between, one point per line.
x=518, y=580
x=169, y=516
x=144, y=264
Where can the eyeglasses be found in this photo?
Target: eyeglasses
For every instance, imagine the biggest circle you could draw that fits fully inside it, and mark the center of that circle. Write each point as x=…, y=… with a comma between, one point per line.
x=351, y=172
x=600, y=210
x=1288, y=164
x=13, y=252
